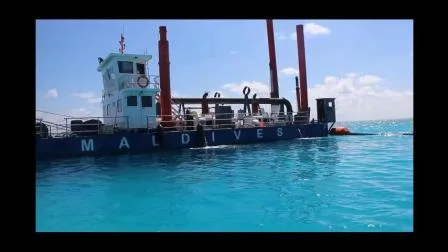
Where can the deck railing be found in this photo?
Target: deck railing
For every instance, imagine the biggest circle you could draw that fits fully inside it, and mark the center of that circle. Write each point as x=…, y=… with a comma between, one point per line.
x=75, y=126
x=82, y=126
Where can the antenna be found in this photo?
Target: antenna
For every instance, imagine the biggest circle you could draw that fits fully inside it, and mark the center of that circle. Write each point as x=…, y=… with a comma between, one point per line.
x=122, y=44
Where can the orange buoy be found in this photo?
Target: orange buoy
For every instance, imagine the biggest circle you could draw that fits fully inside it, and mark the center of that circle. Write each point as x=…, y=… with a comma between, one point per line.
x=339, y=131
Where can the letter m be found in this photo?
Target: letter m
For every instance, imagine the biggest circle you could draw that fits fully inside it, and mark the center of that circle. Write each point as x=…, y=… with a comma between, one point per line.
x=87, y=146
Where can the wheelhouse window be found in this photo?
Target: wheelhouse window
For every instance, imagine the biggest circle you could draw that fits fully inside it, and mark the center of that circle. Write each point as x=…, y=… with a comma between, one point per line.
x=107, y=109
x=126, y=67
x=146, y=101
x=132, y=101
x=140, y=68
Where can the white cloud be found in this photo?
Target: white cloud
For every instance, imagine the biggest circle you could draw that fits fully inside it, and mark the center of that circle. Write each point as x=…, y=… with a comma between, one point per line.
x=232, y=52
x=362, y=97
x=261, y=89
x=369, y=80
x=290, y=71
x=52, y=93
x=312, y=29
x=315, y=29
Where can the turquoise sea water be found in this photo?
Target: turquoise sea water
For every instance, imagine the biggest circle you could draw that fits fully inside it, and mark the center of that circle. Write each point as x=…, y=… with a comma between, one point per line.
x=345, y=183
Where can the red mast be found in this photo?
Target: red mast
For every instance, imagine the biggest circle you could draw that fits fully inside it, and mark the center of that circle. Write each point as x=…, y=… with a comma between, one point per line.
x=272, y=59
x=164, y=72
x=302, y=69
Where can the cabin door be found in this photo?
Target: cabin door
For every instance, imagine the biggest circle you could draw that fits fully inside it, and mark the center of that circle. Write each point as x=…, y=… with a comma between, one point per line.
x=147, y=107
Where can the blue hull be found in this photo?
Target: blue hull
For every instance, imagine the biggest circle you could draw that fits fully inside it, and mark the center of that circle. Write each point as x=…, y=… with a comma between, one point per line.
x=128, y=142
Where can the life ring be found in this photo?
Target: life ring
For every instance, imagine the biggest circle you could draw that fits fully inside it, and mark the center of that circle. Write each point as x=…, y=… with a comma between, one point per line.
x=145, y=83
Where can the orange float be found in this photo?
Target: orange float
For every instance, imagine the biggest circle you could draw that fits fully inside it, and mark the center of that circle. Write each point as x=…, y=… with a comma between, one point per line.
x=339, y=131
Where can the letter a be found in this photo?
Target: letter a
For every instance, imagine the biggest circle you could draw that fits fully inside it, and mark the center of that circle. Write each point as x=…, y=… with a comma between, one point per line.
x=123, y=142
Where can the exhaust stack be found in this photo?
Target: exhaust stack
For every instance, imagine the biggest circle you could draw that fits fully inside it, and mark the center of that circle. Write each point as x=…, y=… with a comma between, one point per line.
x=272, y=59
x=302, y=69
x=164, y=73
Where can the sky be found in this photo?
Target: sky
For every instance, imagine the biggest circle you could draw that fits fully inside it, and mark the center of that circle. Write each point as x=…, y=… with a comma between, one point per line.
x=367, y=65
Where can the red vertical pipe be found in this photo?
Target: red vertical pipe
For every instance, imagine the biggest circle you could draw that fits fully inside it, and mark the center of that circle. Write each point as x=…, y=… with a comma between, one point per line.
x=164, y=72
x=272, y=59
x=302, y=68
